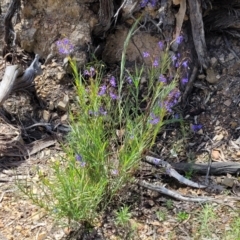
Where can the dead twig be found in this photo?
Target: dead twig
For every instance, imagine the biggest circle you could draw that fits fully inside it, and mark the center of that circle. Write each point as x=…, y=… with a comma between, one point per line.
x=173, y=194
x=171, y=172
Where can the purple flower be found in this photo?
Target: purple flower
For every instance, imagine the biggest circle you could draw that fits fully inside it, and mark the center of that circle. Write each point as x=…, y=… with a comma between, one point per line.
x=155, y=63
x=196, y=127
x=102, y=111
x=179, y=39
x=92, y=71
x=174, y=58
x=129, y=80
x=153, y=119
x=64, y=46
x=185, y=64
x=171, y=100
x=86, y=73
x=161, y=45
x=78, y=158
x=162, y=79
x=113, y=81
x=177, y=64
x=113, y=96
x=153, y=3
x=146, y=54
x=184, y=81
x=102, y=90
x=143, y=3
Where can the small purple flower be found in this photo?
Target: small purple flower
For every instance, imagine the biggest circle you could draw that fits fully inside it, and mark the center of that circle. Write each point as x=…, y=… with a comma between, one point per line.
x=64, y=46
x=162, y=79
x=184, y=81
x=113, y=81
x=129, y=80
x=102, y=111
x=185, y=64
x=113, y=96
x=153, y=3
x=179, y=39
x=86, y=73
x=92, y=71
x=171, y=100
x=153, y=119
x=174, y=58
x=161, y=45
x=177, y=64
x=143, y=3
x=78, y=158
x=155, y=63
x=146, y=54
x=102, y=90
x=196, y=127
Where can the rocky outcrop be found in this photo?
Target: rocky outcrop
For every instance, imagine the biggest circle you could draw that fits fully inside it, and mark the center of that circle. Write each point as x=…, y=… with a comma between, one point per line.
x=46, y=21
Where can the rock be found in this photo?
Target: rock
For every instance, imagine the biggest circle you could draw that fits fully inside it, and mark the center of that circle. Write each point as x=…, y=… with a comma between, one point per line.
x=201, y=77
x=211, y=76
x=213, y=61
x=221, y=58
x=60, y=75
x=45, y=22
x=229, y=182
x=62, y=106
x=46, y=115
x=66, y=99
x=51, y=105
x=227, y=102
x=215, y=154
x=64, y=118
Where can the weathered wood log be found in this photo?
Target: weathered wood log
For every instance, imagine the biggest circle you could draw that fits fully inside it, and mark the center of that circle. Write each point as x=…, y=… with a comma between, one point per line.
x=30, y=73
x=11, y=83
x=105, y=15
x=8, y=82
x=217, y=168
x=198, y=32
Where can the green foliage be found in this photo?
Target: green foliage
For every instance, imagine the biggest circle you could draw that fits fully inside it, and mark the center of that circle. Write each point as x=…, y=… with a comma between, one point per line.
x=110, y=133
x=123, y=216
x=161, y=216
x=206, y=218
x=181, y=216
x=169, y=204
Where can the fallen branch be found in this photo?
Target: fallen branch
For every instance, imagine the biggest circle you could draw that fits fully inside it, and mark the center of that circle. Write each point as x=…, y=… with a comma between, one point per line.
x=10, y=35
x=9, y=80
x=172, y=172
x=217, y=168
x=173, y=194
x=198, y=32
x=11, y=83
x=17, y=149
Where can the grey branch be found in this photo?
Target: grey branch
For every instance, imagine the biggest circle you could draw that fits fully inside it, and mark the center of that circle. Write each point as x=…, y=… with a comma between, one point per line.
x=11, y=82
x=30, y=73
x=172, y=173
